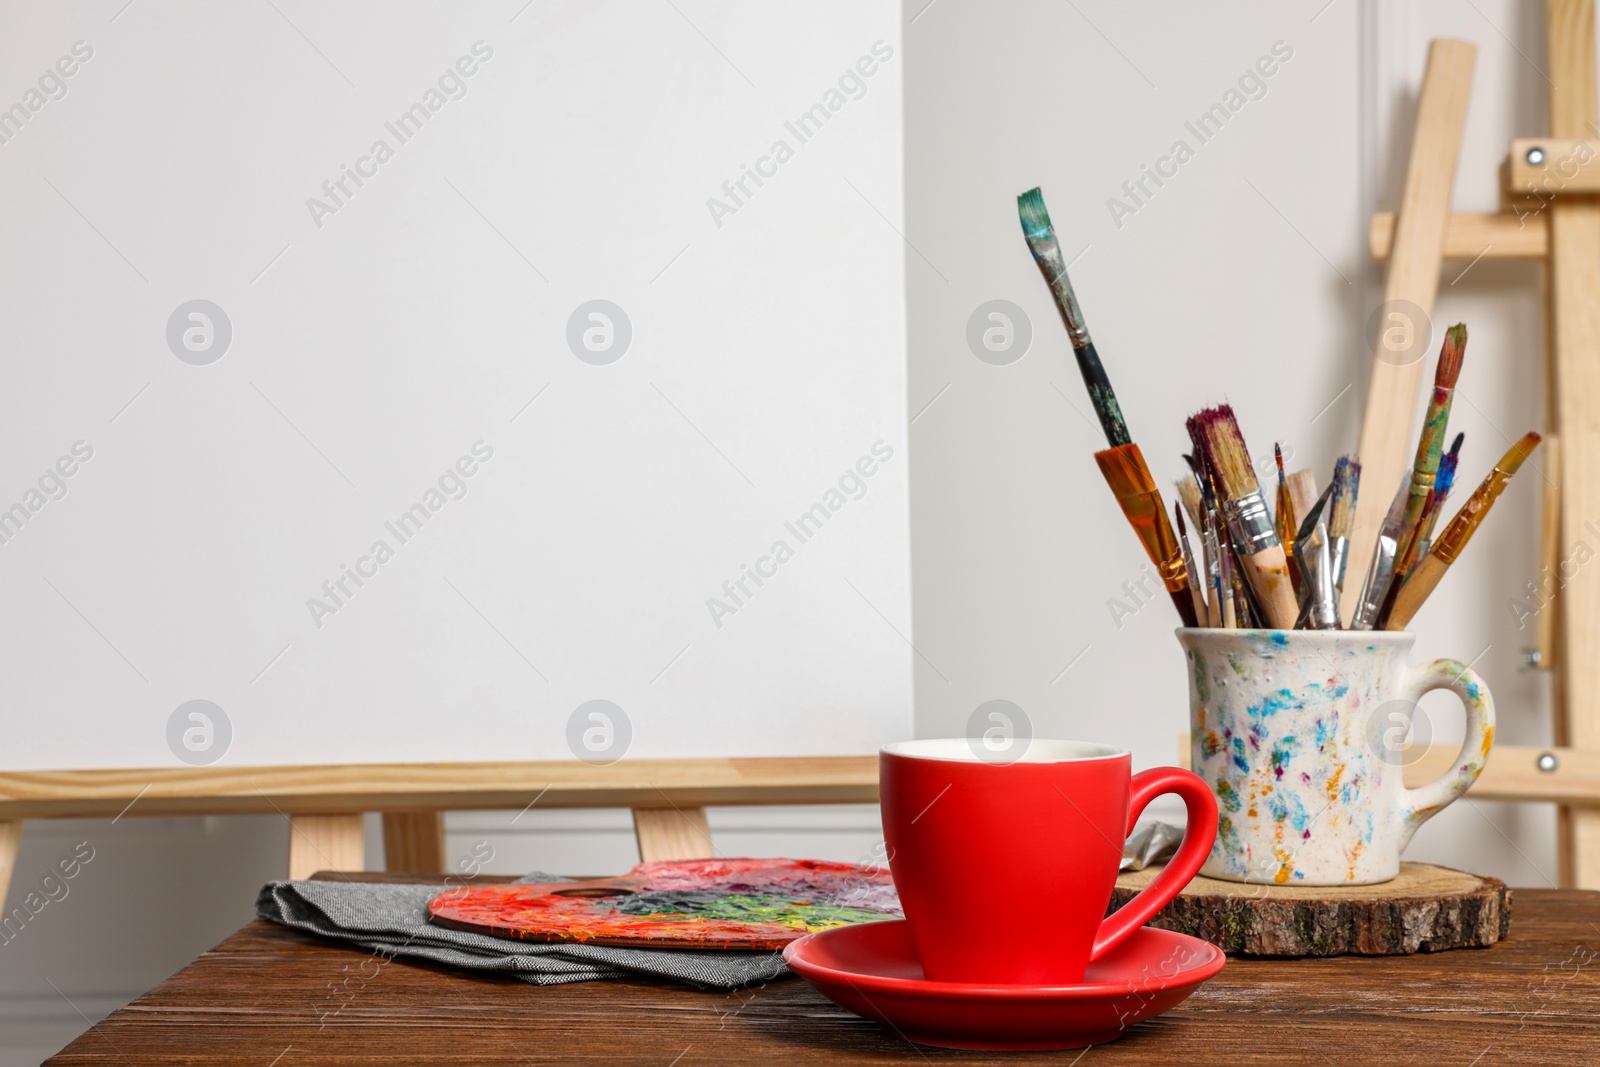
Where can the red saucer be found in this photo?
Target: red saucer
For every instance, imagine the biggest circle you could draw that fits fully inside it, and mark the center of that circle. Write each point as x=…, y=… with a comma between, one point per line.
x=872, y=969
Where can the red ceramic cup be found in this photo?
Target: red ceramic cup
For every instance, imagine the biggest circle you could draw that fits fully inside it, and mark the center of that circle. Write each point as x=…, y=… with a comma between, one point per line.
x=1005, y=869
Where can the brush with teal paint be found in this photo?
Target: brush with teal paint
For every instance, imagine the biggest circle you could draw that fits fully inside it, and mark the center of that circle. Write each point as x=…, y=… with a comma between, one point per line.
x=1122, y=464
x=1041, y=237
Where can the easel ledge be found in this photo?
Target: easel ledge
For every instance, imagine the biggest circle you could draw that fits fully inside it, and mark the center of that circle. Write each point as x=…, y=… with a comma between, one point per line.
x=437, y=786
x=325, y=805
x=1513, y=773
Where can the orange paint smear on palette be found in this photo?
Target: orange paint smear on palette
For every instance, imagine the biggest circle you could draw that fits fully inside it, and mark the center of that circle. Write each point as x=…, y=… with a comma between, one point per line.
x=749, y=904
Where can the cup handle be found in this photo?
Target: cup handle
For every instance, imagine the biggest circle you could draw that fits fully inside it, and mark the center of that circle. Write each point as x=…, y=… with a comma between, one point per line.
x=1198, y=836
x=1419, y=805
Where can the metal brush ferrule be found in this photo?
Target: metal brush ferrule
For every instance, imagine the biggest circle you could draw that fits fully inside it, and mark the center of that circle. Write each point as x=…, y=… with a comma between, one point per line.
x=1341, y=554
x=1053, y=265
x=1250, y=523
x=1071, y=313
x=1319, y=609
x=1376, y=589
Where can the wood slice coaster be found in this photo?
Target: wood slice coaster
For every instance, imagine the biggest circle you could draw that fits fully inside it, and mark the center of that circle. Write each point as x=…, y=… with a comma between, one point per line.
x=1424, y=909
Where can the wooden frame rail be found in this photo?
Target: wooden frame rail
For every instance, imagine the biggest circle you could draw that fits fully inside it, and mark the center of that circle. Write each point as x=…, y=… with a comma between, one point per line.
x=1516, y=772
x=325, y=805
x=1473, y=236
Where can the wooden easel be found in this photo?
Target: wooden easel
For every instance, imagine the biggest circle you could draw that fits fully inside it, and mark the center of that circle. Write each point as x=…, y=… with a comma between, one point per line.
x=324, y=805
x=1550, y=212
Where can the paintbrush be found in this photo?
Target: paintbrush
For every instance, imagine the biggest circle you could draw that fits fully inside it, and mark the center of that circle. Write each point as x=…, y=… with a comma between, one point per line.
x=1122, y=464
x=1213, y=543
x=1380, y=573
x=1227, y=583
x=1283, y=518
x=1319, y=601
x=1260, y=553
x=1234, y=585
x=1431, y=444
x=1436, y=499
x=1129, y=478
x=1342, y=514
x=1423, y=539
x=1205, y=578
x=1189, y=495
x=1448, y=546
x=1041, y=238
x=1197, y=597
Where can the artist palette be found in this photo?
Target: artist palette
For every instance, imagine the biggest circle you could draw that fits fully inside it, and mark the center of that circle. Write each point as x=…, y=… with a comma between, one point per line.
x=750, y=904
x=872, y=970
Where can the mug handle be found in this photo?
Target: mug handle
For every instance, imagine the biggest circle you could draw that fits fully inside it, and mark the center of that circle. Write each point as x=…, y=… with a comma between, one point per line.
x=1419, y=805
x=1198, y=836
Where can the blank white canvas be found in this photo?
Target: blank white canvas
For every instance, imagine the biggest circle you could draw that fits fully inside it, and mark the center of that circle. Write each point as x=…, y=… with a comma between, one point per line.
x=385, y=331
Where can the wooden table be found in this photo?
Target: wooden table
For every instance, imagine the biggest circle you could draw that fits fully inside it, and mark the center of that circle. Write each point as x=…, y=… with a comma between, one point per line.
x=270, y=996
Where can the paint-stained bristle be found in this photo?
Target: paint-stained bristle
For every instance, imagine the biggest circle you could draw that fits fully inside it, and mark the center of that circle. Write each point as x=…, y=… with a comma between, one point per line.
x=1183, y=530
x=1030, y=208
x=1197, y=459
x=1447, y=468
x=1189, y=495
x=1277, y=454
x=1124, y=469
x=1346, y=484
x=1455, y=346
x=1512, y=461
x=1226, y=454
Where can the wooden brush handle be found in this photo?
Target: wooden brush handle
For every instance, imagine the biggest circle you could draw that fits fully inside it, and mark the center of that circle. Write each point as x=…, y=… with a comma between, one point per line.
x=1197, y=599
x=1418, y=585
x=1268, y=574
x=1185, y=605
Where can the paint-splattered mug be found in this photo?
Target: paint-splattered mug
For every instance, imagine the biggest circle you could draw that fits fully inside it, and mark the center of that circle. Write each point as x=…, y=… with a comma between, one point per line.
x=1299, y=734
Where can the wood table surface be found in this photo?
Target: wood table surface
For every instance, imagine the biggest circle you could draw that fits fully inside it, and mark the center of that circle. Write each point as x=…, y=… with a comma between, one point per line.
x=271, y=996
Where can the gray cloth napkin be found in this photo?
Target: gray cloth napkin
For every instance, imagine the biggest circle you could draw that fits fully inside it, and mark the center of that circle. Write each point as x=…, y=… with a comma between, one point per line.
x=1150, y=842
x=392, y=920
